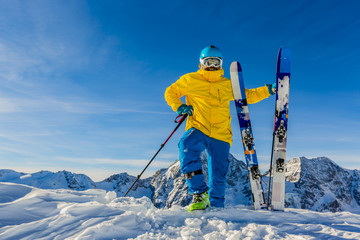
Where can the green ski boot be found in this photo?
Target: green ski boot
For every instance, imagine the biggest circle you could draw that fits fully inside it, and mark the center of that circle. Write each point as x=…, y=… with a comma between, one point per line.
x=200, y=202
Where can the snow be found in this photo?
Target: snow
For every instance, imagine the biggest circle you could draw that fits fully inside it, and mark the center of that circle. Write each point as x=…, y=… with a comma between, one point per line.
x=31, y=213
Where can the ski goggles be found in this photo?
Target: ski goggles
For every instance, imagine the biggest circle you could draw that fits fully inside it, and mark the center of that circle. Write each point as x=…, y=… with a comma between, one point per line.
x=211, y=61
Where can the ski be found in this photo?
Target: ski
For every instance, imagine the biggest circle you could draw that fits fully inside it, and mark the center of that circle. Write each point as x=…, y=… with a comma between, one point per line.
x=242, y=110
x=280, y=129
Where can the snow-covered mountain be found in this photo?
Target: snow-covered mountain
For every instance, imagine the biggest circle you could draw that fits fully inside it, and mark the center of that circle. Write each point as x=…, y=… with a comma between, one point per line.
x=318, y=184
x=49, y=180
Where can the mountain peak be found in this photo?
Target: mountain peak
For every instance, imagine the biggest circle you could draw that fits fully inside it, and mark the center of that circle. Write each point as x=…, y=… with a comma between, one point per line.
x=321, y=185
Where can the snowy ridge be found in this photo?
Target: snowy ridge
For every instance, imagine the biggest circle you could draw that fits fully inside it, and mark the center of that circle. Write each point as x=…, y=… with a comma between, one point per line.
x=31, y=213
x=317, y=184
x=120, y=183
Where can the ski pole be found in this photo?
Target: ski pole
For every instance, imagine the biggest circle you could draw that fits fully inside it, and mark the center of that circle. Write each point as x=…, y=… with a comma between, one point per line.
x=270, y=170
x=182, y=119
x=271, y=160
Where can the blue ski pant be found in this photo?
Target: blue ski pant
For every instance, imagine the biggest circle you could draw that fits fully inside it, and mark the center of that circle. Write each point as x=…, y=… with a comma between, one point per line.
x=191, y=145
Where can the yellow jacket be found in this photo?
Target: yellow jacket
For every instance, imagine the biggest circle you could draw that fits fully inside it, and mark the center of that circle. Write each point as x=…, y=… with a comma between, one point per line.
x=210, y=94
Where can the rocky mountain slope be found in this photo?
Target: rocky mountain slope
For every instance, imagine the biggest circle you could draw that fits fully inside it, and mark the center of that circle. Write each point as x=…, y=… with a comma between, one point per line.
x=320, y=184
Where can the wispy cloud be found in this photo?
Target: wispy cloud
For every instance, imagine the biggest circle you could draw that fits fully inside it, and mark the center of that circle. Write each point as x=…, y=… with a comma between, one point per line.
x=124, y=163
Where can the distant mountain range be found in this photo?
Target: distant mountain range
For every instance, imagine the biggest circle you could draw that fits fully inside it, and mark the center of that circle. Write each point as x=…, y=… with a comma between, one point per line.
x=316, y=184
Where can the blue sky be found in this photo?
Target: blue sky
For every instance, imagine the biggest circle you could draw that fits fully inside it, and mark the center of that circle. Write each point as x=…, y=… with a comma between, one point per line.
x=82, y=82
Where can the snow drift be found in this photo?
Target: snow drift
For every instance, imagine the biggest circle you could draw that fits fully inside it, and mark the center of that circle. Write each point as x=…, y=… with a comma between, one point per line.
x=31, y=213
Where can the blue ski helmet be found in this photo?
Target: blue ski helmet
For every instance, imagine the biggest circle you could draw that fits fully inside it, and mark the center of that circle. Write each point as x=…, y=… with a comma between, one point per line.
x=211, y=51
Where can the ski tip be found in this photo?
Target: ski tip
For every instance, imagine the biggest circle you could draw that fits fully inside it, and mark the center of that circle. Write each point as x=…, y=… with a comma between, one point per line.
x=283, y=61
x=284, y=52
x=235, y=67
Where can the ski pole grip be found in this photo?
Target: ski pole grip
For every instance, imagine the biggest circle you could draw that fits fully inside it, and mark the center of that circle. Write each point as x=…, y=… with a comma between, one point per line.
x=182, y=118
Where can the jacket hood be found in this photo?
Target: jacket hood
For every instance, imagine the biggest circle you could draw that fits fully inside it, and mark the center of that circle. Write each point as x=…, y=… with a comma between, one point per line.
x=211, y=76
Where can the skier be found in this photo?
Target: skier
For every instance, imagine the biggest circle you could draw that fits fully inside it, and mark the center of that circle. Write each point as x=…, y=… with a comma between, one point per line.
x=208, y=95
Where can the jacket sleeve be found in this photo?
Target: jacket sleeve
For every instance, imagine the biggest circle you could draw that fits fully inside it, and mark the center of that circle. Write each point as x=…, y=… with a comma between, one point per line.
x=257, y=94
x=175, y=92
